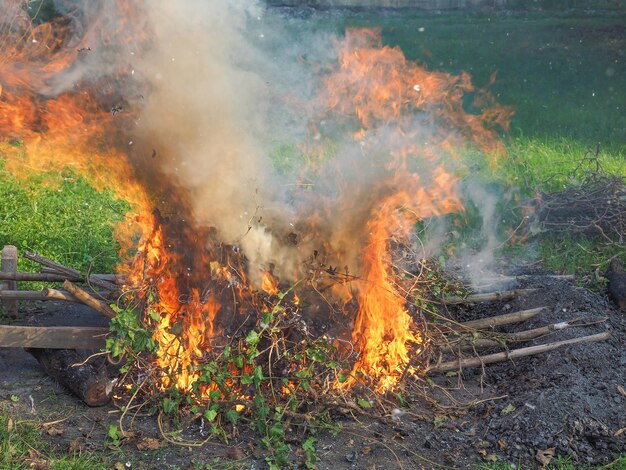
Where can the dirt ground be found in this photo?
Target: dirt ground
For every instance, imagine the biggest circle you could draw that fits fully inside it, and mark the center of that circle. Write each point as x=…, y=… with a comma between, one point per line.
x=568, y=402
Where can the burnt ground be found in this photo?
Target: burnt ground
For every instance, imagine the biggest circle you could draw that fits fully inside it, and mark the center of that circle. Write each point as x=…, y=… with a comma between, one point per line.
x=569, y=402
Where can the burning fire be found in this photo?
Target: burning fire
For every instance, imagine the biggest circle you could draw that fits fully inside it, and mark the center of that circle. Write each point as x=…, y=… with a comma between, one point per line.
x=183, y=277
x=385, y=94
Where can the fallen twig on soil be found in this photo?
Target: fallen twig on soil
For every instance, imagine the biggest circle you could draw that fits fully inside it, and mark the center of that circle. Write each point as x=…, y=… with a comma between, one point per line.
x=459, y=364
x=498, y=320
x=487, y=297
x=502, y=339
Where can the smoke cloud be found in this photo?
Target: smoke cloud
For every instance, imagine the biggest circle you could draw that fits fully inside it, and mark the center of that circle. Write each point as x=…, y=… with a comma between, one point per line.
x=222, y=108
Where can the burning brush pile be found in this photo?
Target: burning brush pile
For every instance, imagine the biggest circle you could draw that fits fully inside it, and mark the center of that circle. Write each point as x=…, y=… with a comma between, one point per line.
x=252, y=280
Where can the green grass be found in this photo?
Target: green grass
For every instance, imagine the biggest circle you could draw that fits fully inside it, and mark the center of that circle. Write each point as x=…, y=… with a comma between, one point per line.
x=61, y=217
x=22, y=446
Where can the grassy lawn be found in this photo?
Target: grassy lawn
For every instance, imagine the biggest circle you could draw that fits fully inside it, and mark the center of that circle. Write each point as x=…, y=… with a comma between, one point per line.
x=59, y=216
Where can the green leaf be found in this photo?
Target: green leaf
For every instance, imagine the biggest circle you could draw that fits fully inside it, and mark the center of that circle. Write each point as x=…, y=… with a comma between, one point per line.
x=257, y=375
x=113, y=433
x=253, y=338
x=210, y=414
x=232, y=416
x=276, y=431
x=363, y=403
x=507, y=409
x=169, y=405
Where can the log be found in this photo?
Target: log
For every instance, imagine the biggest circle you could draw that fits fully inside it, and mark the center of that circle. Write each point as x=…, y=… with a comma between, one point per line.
x=89, y=300
x=57, y=277
x=74, y=273
x=55, y=337
x=9, y=266
x=88, y=382
x=499, y=320
x=514, y=354
x=487, y=297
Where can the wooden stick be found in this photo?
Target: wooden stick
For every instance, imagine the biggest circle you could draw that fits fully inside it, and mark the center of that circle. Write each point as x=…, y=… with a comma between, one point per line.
x=503, y=338
x=514, y=354
x=56, y=276
x=56, y=337
x=116, y=278
x=43, y=294
x=498, y=320
x=89, y=300
x=9, y=266
x=526, y=277
x=487, y=297
x=69, y=271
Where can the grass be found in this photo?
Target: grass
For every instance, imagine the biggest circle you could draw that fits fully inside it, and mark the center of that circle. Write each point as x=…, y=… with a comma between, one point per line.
x=61, y=217
x=22, y=446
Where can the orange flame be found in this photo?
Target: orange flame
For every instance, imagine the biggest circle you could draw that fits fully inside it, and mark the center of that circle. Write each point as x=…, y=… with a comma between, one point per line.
x=423, y=116
x=269, y=284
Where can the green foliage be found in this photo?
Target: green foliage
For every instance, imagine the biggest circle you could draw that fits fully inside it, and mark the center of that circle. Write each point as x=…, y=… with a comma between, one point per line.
x=130, y=335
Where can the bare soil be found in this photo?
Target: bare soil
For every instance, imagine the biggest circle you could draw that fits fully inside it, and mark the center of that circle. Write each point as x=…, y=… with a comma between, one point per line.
x=569, y=402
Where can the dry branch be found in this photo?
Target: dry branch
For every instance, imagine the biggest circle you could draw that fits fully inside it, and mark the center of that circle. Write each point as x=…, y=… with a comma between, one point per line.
x=487, y=297
x=56, y=277
x=459, y=364
x=499, y=320
x=44, y=294
x=73, y=273
x=89, y=300
x=502, y=339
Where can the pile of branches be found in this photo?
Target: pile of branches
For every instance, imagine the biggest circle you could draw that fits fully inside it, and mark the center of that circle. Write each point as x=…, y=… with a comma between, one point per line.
x=594, y=205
